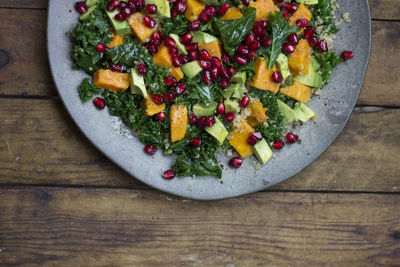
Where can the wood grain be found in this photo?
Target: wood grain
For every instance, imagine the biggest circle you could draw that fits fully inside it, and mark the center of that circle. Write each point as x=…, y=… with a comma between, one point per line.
x=24, y=41
x=102, y=227
x=39, y=144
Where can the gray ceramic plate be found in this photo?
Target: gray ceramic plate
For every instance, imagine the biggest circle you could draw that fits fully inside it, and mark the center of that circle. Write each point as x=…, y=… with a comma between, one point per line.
x=333, y=107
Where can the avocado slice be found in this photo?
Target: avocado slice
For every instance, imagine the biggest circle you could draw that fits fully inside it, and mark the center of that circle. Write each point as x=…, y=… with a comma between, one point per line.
x=231, y=105
x=163, y=8
x=235, y=91
x=179, y=45
x=289, y=115
x=120, y=27
x=303, y=112
x=202, y=37
x=90, y=3
x=138, y=86
x=86, y=15
x=239, y=77
x=238, y=94
x=262, y=151
x=283, y=65
x=218, y=130
x=312, y=78
x=191, y=69
x=200, y=109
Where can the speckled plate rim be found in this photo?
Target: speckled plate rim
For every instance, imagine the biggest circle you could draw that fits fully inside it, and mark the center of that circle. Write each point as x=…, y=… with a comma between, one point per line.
x=127, y=152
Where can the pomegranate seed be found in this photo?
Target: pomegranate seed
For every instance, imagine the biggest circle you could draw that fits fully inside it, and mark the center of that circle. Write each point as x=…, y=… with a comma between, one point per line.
x=261, y=23
x=119, y=17
x=141, y=68
x=231, y=71
x=258, y=31
x=196, y=142
x=193, y=55
x=168, y=174
x=322, y=46
x=224, y=84
x=291, y=138
x=160, y=116
x=112, y=5
x=204, y=64
x=151, y=8
x=149, y=21
x=173, y=50
x=223, y=9
x=313, y=41
x=254, y=45
x=288, y=48
x=127, y=11
x=186, y=38
x=278, y=144
x=277, y=77
x=210, y=121
x=251, y=54
x=239, y=59
x=235, y=162
x=210, y=10
x=252, y=139
x=101, y=47
x=293, y=39
x=202, y=122
x=99, y=102
x=278, y=1
x=243, y=50
x=184, y=58
x=285, y=13
x=302, y=23
x=229, y=117
x=181, y=6
x=216, y=62
x=214, y=72
x=170, y=81
x=346, y=55
x=180, y=88
x=122, y=5
x=158, y=99
x=207, y=77
x=246, y=2
x=172, y=1
x=191, y=47
x=203, y=17
x=244, y=102
x=175, y=61
x=169, y=42
x=225, y=57
x=220, y=110
x=131, y=4
x=116, y=67
x=204, y=55
x=308, y=32
x=266, y=41
x=174, y=13
x=156, y=38
x=192, y=119
x=249, y=39
x=81, y=7
x=140, y=4
x=170, y=96
x=152, y=48
x=150, y=150
x=257, y=135
x=290, y=7
x=223, y=72
x=194, y=25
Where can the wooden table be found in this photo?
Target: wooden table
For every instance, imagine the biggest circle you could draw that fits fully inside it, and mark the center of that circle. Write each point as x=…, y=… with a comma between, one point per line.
x=64, y=204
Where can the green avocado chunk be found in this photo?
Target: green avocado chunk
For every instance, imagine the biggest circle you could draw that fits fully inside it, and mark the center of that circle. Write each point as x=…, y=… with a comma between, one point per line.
x=200, y=109
x=262, y=151
x=218, y=130
x=231, y=105
x=234, y=91
x=91, y=3
x=86, y=15
x=179, y=45
x=283, y=65
x=312, y=78
x=239, y=77
x=138, y=86
x=120, y=27
x=191, y=69
x=202, y=37
x=289, y=115
x=303, y=112
x=163, y=8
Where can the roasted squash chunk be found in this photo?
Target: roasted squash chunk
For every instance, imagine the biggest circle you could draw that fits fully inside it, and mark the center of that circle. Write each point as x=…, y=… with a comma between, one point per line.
x=302, y=12
x=110, y=80
x=262, y=78
x=297, y=91
x=163, y=58
x=150, y=107
x=257, y=114
x=139, y=28
x=214, y=48
x=263, y=8
x=193, y=10
x=178, y=119
x=238, y=139
x=299, y=60
x=232, y=13
x=117, y=40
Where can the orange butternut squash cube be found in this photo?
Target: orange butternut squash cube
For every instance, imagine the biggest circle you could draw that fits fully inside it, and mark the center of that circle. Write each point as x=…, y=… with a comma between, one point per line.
x=117, y=40
x=139, y=28
x=232, y=13
x=302, y=12
x=238, y=139
x=214, y=48
x=193, y=10
x=257, y=114
x=110, y=80
x=150, y=107
x=262, y=78
x=178, y=119
x=297, y=91
x=263, y=8
x=163, y=58
x=299, y=60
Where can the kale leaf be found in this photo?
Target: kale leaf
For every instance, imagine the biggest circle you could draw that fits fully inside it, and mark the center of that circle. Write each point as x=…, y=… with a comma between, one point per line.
x=86, y=90
x=199, y=91
x=178, y=25
x=327, y=63
x=323, y=11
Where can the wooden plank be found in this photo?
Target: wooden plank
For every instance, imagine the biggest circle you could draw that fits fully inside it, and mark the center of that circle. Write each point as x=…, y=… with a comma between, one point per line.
x=24, y=41
x=87, y=227
x=39, y=144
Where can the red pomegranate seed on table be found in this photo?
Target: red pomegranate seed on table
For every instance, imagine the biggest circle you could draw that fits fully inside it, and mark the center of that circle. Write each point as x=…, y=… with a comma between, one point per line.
x=184, y=58
x=222, y=9
x=210, y=121
x=302, y=23
x=191, y=47
x=235, y=162
x=214, y=73
x=81, y=7
x=207, y=77
x=170, y=81
x=193, y=119
x=278, y=144
x=195, y=141
x=173, y=50
x=194, y=25
x=116, y=67
x=231, y=71
x=160, y=116
x=181, y=6
x=150, y=150
x=266, y=41
x=224, y=84
x=293, y=39
x=322, y=46
x=112, y=5
x=151, y=8
x=346, y=55
x=158, y=99
x=216, y=62
x=291, y=138
x=243, y=50
x=244, y=102
x=149, y=21
x=101, y=48
x=223, y=72
x=99, y=103
x=313, y=41
x=168, y=174
x=277, y=77
x=308, y=32
x=229, y=117
x=288, y=48
x=170, y=96
x=220, y=110
x=141, y=68
x=180, y=88
x=204, y=55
